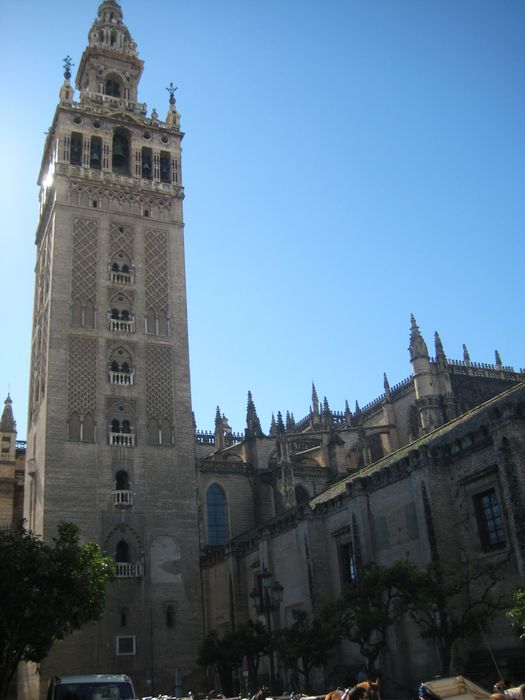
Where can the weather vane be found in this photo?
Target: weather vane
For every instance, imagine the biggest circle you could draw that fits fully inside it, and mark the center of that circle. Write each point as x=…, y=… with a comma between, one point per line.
x=68, y=62
x=171, y=89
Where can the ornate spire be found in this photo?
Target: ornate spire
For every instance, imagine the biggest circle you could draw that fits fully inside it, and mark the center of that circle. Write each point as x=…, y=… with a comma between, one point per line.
x=8, y=423
x=499, y=363
x=253, y=424
x=315, y=401
x=290, y=422
x=440, y=353
x=273, y=427
x=387, y=387
x=357, y=412
x=418, y=347
x=466, y=356
x=348, y=413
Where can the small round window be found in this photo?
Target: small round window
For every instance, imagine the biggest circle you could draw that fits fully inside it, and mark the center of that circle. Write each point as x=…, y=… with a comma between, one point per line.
x=77, y=120
x=147, y=135
x=164, y=139
x=96, y=124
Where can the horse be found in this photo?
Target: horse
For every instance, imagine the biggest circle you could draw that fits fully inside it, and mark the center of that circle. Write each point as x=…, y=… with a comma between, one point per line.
x=366, y=690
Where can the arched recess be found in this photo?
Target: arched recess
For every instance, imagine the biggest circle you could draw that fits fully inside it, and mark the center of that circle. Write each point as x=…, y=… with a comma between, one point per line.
x=121, y=151
x=301, y=494
x=216, y=515
x=113, y=85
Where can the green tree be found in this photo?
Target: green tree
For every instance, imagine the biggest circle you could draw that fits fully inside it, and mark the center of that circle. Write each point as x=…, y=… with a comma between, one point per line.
x=369, y=606
x=305, y=644
x=251, y=640
x=448, y=606
x=47, y=592
x=517, y=614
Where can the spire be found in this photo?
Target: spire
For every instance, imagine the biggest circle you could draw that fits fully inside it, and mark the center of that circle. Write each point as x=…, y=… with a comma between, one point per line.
x=253, y=424
x=315, y=401
x=498, y=359
x=280, y=423
x=290, y=422
x=387, y=387
x=348, y=413
x=466, y=356
x=357, y=412
x=110, y=64
x=418, y=347
x=273, y=427
x=441, y=358
x=8, y=423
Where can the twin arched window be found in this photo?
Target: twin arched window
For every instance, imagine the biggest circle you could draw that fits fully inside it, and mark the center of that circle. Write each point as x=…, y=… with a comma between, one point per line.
x=216, y=509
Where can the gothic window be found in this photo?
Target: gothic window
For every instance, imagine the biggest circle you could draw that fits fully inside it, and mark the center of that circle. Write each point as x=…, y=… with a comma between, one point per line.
x=121, y=269
x=89, y=315
x=490, y=519
x=75, y=153
x=413, y=422
x=115, y=426
x=76, y=313
x=88, y=429
x=217, y=515
x=153, y=432
x=165, y=433
x=120, y=160
x=147, y=164
x=95, y=154
x=126, y=427
x=120, y=367
x=151, y=322
x=73, y=432
x=165, y=167
x=347, y=563
x=122, y=554
x=376, y=447
x=162, y=323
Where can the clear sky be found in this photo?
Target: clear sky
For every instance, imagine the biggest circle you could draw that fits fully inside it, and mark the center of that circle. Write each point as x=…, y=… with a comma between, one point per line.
x=346, y=163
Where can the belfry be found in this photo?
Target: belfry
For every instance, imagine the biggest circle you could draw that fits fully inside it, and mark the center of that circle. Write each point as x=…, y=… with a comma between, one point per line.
x=110, y=437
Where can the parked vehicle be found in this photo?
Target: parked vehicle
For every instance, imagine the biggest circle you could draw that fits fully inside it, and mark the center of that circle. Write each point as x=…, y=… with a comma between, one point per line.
x=91, y=687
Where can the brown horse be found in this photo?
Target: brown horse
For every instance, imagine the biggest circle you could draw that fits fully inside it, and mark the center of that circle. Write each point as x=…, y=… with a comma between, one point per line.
x=366, y=690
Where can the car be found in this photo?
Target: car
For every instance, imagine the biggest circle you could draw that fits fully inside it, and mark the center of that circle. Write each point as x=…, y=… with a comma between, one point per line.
x=91, y=687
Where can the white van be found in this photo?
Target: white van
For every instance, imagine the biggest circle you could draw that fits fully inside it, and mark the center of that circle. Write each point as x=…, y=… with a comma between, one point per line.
x=91, y=687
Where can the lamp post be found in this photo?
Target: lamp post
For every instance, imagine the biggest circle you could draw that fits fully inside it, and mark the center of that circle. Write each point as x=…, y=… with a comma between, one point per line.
x=267, y=597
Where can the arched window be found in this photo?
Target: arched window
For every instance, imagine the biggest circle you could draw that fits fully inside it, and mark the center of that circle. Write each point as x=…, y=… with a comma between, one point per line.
x=88, y=429
x=151, y=322
x=95, y=155
x=122, y=553
x=115, y=426
x=217, y=515
x=124, y=617
x=126, y=426
x=165, y=432
x=153, y=432
x=165, y=167
x=120, y=160
x=75, y=154
x=73, y=432
x=112, y=87
x=163, y=323
x=147, y=164
x=122, y=481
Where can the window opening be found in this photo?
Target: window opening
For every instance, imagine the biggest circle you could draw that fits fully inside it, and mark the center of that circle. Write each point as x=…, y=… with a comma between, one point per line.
x=75, y=157
x=490, y=520
x=216, y=510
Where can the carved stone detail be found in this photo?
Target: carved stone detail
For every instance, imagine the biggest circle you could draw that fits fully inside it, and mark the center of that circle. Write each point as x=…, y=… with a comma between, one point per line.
x=156, y=266
x=84, y=272
x=82, y=373
x=159, y=382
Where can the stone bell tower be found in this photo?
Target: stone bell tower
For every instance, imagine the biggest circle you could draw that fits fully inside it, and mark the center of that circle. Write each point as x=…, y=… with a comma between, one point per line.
x=110, y=438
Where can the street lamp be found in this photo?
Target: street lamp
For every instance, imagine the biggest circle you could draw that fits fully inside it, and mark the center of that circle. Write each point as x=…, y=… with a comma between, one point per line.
x=266, y=598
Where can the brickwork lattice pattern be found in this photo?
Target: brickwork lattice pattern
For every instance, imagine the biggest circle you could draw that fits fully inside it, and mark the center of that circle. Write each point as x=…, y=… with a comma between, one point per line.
x=156, y=266
x=121, y=240
x=84, y=273
x=82, y=375
x=159, y=382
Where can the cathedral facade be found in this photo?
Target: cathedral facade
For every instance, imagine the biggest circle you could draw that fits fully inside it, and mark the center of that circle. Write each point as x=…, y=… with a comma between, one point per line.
x=194, y=519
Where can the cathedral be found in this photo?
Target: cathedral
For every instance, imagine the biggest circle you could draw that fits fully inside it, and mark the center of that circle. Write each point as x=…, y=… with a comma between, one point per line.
x=198, y=521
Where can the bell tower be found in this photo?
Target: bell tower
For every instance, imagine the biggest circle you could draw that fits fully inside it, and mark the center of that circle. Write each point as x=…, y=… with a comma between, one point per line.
x=110, y=437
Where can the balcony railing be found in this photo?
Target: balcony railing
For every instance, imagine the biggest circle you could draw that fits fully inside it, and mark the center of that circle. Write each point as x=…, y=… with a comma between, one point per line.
x=129, y=570
x=122, y=277
x=123, y=498
x=117, y=324
x=122, y=439
x=121, y=377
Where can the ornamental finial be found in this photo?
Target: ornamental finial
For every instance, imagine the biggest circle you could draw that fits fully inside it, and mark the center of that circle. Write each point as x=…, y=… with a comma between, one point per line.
x=68, y=63
x=171, y=89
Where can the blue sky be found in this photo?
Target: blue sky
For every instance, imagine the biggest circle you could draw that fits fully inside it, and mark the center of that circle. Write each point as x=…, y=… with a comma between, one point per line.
x=346, y=163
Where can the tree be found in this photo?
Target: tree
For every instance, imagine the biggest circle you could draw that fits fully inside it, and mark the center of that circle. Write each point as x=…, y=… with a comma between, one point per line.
x=250, y=640
x=517, y=614
x=369, y=606
x=305, y=644
x=51, y=590
x=448, y=606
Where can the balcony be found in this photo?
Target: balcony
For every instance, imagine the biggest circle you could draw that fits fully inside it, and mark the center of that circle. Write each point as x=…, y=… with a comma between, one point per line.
x=129, y=570
x=122, y=326
x=123, y=378
x=122, y=277
x=122, y=439
x=122, y=498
